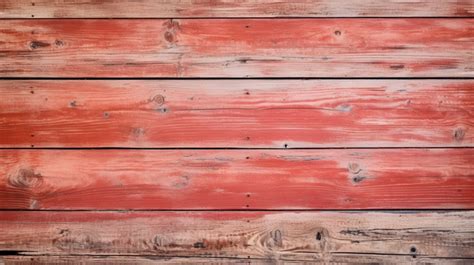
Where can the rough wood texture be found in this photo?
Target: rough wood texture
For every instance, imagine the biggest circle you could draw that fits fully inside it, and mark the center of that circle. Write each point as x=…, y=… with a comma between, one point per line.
x=284, y=236
x=237, y=48
x=237, y=179
x=359, y=258
x=245, y=8
x=236, y=113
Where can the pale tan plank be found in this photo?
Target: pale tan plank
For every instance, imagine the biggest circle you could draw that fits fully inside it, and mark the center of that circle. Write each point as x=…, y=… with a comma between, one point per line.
x=269, y=235
x=222, y=8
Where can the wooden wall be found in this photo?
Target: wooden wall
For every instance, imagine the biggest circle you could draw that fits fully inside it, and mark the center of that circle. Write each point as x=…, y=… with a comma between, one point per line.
x=187, y=132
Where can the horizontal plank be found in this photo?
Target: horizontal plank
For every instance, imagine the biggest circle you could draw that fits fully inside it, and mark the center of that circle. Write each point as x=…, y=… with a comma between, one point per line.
x=237, y=179
x=236, y=113
x=237, y=48
x=242, y=8
x=151, y=259
x=269, y=235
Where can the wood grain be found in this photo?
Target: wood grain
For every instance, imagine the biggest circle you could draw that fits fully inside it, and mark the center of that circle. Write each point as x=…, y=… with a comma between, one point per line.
x=269, y=235
x=245, y=8
x=152, y=259
x=236, y=113
x=237, y=179
x=237, y=48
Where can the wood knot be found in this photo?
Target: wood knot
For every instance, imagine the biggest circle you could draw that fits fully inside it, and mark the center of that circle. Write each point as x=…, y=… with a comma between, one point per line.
x=199, y=245
x=344, y=108
x=67, y=240
x=169, y=37
x=354, y=168
x=459, y=134
x=171, y=24
x=358, y=179
x=59, y=43
x=322, y=236
x=413, y=251
x=171, y=28
x=181, y=183
x=337, y=33
x=138, y=132
x=158, y=241
x=38, y=44
x=25, y=178
x=319, y=236
x=277, y=238
x=158, y=99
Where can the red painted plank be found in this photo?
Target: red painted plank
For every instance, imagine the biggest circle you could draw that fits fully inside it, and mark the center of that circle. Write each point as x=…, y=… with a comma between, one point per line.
x=241, y=8
x=237, y=48
x=237, y=179
x=310, y=236
x=236, y=113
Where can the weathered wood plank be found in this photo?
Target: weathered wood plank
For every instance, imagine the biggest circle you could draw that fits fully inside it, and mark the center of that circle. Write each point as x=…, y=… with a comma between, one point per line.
x=270, y=235
x=236, y=113
x=245, y=8
x=237, y=48
x=237, y=179
x=151, y=259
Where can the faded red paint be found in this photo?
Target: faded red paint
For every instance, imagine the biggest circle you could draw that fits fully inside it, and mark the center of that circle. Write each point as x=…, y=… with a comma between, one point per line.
x=244, y=179
x=226, y=113
x=237, y=48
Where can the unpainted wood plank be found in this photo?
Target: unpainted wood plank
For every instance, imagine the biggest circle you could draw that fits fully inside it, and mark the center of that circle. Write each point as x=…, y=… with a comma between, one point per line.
x=237, y=179
x=245, y=8
x=236, y=113
x=269, y=235
x=237, y=48
x=361, y=258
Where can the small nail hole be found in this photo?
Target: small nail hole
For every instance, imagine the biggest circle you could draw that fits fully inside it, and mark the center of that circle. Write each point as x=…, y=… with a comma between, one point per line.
x=337, y=33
